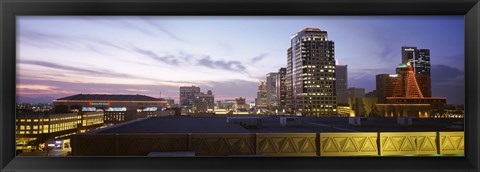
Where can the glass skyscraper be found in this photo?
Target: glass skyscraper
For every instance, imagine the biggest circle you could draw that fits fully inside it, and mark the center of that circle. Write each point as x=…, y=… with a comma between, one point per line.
x=419, y=59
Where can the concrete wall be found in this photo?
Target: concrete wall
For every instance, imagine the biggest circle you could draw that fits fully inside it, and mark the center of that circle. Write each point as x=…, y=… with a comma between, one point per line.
x=273, y=144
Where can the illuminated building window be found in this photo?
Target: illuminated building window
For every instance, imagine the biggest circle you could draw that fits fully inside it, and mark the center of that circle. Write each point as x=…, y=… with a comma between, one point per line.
x=45, y=128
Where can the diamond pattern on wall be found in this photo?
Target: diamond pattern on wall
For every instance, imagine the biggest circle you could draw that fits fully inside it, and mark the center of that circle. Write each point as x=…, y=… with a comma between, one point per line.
x=408, y=143
x=348, y=144
x=273, y=144
x=287, y=144
x=222, y=144
x=451, y=143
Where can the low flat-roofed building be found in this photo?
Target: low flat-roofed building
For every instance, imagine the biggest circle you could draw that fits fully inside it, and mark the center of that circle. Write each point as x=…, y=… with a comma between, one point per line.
x=90, y=120
x=110, y=101
x=34, y=129
x=117, y=108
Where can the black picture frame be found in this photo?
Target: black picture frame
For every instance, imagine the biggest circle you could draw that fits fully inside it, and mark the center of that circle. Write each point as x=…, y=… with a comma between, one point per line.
x=11, y=8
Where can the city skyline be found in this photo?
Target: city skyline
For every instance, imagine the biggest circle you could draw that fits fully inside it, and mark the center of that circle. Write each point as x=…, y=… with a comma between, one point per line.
x=227, y=55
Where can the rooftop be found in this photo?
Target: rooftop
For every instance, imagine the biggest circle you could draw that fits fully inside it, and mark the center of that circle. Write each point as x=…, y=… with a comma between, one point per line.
x=182, y=124
x=36, y=114
x=110, y=97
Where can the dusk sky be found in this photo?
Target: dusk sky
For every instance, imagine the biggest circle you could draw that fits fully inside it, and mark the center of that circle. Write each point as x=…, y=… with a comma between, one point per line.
x=62, y=56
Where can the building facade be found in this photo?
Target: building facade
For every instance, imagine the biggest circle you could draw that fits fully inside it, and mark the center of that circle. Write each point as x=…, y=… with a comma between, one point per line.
x=261, y=100
x=312, y=69
x=271, y=87
x=187, y=95
x=385, y=86
x=203, y=102
x=289, y=101
x=341, y=74
x=36, y=130
x=404, y=96
x=281, y=88
x=342, y=84
x=419, y=59
x=241, y=104
x=116, y=108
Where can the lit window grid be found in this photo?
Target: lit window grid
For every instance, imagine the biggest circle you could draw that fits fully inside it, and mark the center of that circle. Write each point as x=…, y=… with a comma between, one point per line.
x=46, y=124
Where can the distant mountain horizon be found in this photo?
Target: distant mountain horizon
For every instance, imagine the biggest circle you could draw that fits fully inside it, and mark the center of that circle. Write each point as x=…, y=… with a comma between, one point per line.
x=42, y=99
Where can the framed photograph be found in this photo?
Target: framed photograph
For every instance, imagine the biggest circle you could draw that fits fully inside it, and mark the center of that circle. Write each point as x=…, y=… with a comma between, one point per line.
x=239, y=85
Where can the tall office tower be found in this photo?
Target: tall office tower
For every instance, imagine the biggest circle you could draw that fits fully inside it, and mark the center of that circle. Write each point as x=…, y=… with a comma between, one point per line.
x=422, y=71
x=289, y=103
x=312, y=67
x=281, y=89
x=270, y=86
x=342, y=84
x=261, y=100
x=419, y=59
x=341, y=75
x=422, y=64
x=187, y=95
x=408, y=54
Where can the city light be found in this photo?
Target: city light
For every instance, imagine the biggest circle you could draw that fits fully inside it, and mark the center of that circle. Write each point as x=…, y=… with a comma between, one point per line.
x=196, y=95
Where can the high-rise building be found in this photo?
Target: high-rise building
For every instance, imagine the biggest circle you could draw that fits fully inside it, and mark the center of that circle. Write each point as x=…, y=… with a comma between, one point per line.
x=281, y=89
x=422, y=72
x=311, y=74
x=341, y=75
x=289, y=102
x=408, y=54
x=270, y=86
x=419, y=59
x=187, y=95
x=342, y=84
x=385, y=86
x=203, y=102
x=261, y=100
x=422, y=63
